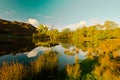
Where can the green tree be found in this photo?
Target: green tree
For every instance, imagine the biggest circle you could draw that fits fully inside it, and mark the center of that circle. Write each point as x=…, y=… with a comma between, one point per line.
x=53, y=34
x=66, y=33
x=42, y=29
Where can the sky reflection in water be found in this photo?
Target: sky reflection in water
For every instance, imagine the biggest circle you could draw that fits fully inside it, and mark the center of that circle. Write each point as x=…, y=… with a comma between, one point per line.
x=26, y=57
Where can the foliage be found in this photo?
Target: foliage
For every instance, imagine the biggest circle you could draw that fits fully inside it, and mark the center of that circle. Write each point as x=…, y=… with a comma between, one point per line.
x=41, y=32
x=101, y=42
x=66, y=35
x=42, y=29
x=53, y=34
x=98, y=31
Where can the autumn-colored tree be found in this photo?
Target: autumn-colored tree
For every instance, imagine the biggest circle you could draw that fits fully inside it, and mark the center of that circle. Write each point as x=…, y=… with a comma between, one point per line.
x=42, y=29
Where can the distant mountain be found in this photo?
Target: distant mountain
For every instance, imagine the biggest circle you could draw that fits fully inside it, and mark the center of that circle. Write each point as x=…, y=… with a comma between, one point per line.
x=16, y=28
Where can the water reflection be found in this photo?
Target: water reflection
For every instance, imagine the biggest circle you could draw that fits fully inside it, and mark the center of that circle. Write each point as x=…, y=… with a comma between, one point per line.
x=26, y=57
x=15, y=45
x=23, y=50
x=37, y=50
x=65, y=59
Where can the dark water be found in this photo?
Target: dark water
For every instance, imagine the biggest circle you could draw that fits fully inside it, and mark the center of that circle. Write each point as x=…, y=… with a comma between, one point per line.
x=23, y=50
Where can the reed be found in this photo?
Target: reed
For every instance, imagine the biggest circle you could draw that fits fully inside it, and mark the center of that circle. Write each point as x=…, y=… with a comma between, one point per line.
x=12, y=71
x=107, y=67
x=73, y=71
x=45, y=63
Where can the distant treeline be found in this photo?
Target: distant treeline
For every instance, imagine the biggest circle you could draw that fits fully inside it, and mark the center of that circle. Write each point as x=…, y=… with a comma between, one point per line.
x=110, y=30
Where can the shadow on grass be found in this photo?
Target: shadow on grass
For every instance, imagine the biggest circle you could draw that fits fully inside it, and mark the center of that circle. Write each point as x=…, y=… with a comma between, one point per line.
x=87, y=66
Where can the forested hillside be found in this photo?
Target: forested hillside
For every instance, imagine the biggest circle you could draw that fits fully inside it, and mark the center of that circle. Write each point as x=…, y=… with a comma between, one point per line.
x=16, y=28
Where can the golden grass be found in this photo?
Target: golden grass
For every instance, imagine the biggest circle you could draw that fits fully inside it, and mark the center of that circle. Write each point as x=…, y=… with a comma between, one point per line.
x=73, y=71
x=17, y=71
x=12, y=71
x=47, y=61
x=107, y=69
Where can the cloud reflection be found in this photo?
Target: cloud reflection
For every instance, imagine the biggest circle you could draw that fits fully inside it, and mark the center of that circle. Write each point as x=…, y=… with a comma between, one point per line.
x=37, y=50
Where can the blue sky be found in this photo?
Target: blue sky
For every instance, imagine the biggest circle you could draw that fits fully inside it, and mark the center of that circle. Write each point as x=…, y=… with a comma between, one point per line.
x=61, y=12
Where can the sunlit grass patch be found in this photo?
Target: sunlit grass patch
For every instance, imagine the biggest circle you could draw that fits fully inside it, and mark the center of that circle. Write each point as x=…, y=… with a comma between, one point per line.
x=13, y=71
x=108, y=69
x=45, y=63
x=73, y=71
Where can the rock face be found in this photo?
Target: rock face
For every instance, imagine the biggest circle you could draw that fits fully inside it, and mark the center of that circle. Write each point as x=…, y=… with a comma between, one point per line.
x=16, y=28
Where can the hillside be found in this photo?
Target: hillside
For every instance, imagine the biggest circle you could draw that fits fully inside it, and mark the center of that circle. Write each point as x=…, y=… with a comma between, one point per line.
x=16, y=28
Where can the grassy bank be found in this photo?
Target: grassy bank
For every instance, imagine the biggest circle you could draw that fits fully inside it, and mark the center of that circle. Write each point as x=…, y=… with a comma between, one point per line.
x=45, y=67
x=42, y=68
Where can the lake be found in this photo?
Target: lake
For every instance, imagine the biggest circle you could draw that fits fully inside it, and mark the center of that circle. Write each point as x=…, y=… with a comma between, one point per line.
x=23, y=50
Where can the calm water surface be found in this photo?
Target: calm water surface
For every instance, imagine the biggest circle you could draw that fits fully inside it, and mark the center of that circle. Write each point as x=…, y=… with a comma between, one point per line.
x=24, y=51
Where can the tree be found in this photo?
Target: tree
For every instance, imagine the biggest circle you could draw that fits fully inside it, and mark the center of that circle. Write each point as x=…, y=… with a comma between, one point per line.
x=65, y=33
x=53, y=34
x=42, y=29
x=110, y=25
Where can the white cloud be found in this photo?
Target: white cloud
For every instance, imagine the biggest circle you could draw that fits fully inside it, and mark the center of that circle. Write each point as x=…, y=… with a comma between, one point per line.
x=48, y=17
x=12, y=11
x=95, y=21
x=6, y=12
x=75, y=26
x=71, y=26
x=44, y=16
x=9, y=12
x=35, y=51
x=33, y=22
x=39, y=15
x=83, y=23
